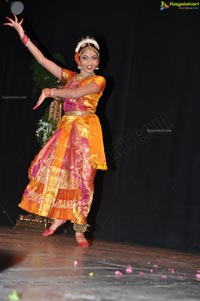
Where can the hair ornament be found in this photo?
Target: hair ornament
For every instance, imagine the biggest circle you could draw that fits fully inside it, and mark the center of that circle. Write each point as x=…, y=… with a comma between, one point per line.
x=86, y=41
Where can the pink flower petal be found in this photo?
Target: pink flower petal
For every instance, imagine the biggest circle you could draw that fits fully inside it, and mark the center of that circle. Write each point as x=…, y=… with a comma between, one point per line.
x=171, y=270
x=129, y=269
x=76, y=263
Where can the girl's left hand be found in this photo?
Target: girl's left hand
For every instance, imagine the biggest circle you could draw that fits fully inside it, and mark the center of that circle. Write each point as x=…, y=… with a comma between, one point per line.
x=40, y=100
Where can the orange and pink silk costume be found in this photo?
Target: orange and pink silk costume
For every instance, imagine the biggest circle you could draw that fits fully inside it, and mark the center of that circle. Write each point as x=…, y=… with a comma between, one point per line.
x=62, y=174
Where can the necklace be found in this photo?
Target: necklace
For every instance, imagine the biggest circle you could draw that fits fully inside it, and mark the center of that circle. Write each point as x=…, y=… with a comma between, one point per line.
x=83, y=75
x=79, y=77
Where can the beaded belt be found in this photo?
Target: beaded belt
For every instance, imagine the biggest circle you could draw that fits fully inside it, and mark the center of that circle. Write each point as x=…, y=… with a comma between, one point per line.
x=77, y=113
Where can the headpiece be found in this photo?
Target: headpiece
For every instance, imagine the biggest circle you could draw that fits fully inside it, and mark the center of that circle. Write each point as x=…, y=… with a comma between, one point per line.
x=88, y=41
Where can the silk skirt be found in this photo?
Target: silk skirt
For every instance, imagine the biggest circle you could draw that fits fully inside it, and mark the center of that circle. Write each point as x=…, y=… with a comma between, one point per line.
x=61, y=176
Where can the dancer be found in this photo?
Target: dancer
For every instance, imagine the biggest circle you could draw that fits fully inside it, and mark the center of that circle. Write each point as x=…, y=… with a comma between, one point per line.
x=62, y=174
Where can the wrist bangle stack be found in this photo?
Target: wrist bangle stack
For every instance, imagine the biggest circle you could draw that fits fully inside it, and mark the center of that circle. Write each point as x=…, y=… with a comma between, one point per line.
x=51, y=92
x=48, y=92
x=25, y=39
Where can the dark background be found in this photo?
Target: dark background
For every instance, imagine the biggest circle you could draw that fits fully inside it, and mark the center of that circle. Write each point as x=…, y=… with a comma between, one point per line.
x=149, y=114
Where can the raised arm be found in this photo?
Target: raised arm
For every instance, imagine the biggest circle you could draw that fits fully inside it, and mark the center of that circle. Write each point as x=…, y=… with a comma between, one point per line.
x=37, y=54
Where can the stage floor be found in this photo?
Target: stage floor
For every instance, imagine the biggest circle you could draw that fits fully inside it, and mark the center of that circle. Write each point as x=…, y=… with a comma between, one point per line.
x=55, y=268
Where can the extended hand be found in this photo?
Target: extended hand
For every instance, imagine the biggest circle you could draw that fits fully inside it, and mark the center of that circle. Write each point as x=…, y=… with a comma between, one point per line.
x=40, y=100
x=17, y=25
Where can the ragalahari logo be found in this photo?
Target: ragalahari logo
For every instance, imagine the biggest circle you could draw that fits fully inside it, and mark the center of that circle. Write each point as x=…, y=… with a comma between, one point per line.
x=179, y=5
x=164, y=5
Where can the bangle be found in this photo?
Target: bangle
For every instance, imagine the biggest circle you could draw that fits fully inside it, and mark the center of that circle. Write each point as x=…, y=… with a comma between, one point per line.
x=51, y=92
x=25, y=39
x=48, y=92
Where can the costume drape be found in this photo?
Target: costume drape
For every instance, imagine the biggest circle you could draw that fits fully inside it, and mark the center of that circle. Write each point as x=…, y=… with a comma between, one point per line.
x=62, y=174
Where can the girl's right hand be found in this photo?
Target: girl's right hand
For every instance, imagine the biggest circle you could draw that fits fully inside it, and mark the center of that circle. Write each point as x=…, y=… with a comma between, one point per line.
x=17, y=25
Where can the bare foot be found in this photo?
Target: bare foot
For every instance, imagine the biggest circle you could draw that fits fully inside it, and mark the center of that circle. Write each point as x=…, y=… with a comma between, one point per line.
x=56, y=223
x=81, y=240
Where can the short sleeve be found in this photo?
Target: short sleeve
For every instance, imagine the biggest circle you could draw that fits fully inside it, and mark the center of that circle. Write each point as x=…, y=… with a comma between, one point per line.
x=66, y=74
x=100, y=82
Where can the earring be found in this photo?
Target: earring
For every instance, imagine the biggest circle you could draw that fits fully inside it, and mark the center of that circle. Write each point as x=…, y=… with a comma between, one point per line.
x=96, y=68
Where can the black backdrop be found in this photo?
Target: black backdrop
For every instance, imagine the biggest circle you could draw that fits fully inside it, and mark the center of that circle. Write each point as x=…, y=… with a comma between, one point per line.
x=149, y=114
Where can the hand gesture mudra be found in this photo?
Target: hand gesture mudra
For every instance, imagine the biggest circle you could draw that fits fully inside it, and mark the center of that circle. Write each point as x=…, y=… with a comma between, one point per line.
x=40, y=100
x=47, y=92
x=17, y=25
